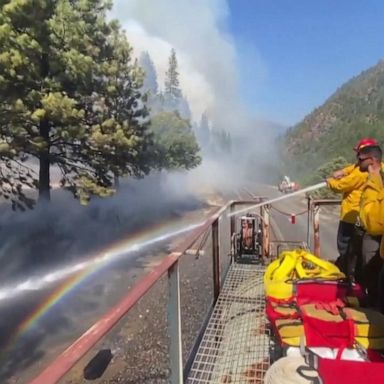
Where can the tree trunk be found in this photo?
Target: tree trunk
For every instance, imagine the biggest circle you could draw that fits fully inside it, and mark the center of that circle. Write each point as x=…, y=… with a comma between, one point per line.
x=116, y=182
x=44, y=176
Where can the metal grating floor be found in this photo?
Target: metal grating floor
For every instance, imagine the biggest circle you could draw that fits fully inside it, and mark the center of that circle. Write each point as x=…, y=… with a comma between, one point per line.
x=235, y=345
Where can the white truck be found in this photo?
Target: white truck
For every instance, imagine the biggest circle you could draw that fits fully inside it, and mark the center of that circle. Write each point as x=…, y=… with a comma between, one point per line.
x=288, y=186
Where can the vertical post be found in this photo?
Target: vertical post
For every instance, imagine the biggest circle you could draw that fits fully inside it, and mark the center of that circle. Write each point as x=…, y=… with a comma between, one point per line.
x=174, y=325
x=316, y=230
x=232, y=221
x=264, y=211
x=232, y=229
x=215, y=260
x=309, y=207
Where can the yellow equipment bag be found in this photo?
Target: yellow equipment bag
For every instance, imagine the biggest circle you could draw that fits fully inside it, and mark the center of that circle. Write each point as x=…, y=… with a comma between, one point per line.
x=369, y=326
x=290, y=331
x=295, y=265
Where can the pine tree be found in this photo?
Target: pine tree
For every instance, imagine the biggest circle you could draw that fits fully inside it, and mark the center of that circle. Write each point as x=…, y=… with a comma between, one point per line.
x=150, y=79
x=65, y=74
x=172, y=77
x=204, y=131
x=175, y=142
x=184, y=109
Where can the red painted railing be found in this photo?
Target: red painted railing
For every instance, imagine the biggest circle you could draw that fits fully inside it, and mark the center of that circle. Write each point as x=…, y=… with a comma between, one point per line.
x=72, y=355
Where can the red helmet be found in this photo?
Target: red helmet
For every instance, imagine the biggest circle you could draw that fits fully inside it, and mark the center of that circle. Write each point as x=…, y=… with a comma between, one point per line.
x=365, y=143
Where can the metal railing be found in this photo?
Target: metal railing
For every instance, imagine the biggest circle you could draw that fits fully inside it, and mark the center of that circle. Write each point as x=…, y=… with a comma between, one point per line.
x=169, y=266
x=314, y=207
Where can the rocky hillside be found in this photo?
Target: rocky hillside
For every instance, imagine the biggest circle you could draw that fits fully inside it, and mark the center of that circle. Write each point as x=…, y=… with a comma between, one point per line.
x=354, y=111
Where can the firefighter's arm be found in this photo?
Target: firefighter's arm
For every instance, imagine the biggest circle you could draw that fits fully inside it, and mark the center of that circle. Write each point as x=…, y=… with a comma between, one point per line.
x=343, y=172
x=347, y=183
x=372, y=205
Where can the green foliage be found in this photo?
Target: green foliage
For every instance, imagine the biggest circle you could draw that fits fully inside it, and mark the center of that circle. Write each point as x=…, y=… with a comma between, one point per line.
x=172, y=100
x=172, y=77
x=214, y=141
x=150, y=81
x=323, y=172
x=356, y=110
x=175, y=141
x=326, y=170
x=70, y=94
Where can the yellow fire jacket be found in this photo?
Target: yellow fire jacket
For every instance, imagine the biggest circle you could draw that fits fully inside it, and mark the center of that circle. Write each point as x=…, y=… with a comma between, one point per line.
x=372, y=208
x=349, y=168
x=351, y=187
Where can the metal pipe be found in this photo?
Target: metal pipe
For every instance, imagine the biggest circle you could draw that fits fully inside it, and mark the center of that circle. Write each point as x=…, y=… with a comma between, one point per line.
x=174, y=325
x=327, y=201
x=309, y=222
x=232, y=221
x=316, y=230
x=215, y=260
x=276, y=199
x=265, y=231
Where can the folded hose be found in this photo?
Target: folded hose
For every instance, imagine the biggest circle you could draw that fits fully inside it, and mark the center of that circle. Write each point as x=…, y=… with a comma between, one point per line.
x=296, y=265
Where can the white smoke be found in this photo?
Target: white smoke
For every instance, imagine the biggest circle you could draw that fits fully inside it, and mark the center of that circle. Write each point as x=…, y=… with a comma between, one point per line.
x=209, y=73
x=205, y=51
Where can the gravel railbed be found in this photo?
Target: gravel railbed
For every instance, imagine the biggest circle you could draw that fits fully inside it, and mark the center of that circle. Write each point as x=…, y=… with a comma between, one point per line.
x=139, y=344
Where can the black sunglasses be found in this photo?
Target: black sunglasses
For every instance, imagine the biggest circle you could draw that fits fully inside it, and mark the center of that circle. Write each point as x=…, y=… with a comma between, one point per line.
x=363, y=158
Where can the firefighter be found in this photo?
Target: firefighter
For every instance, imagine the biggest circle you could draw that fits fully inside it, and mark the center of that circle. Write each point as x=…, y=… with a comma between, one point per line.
x=348, y=181
x=370, y=269
x=348, y=169
x=247, y=233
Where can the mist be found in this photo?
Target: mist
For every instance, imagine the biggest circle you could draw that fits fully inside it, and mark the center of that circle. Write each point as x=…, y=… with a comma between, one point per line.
x=63, y=231
x=195, y=29
x=198, y=30
x=209, y=76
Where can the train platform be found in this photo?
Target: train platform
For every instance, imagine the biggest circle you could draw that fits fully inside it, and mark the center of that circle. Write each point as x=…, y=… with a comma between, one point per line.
x=235, y=347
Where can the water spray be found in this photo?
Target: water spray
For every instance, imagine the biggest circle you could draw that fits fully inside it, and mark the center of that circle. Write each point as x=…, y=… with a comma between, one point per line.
x=289, y=195
x=40, y=282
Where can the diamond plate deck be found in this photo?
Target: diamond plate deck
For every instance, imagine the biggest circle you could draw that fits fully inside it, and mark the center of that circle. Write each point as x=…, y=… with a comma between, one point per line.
x=235, y=345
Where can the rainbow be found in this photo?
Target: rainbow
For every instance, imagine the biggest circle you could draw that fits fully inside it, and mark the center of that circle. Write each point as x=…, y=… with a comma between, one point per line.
x=80, y=272
x=48, y=303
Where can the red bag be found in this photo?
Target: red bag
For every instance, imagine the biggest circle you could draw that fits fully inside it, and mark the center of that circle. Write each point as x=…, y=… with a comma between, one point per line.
x=337, y=371
x=321, y=333
x=312, y=291
x=273, y=313
x=318, y=332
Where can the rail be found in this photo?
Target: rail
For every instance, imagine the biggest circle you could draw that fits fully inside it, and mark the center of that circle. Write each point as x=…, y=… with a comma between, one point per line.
x=169, y=265
x=314, y=207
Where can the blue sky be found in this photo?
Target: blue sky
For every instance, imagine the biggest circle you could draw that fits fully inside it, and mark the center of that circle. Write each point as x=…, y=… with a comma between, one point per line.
x=293, y=54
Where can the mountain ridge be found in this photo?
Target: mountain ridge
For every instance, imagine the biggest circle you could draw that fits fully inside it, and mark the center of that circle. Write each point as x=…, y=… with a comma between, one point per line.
x=353, y=111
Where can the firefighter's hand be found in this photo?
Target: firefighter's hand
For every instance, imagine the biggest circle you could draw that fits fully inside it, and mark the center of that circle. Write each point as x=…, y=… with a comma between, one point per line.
x=374, y=169
x=338, y=174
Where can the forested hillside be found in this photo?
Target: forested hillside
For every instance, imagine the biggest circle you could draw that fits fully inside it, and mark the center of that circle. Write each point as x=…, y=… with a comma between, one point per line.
x=354, y=111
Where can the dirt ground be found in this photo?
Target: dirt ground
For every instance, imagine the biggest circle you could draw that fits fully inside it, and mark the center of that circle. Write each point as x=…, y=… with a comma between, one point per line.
x=139, y=344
